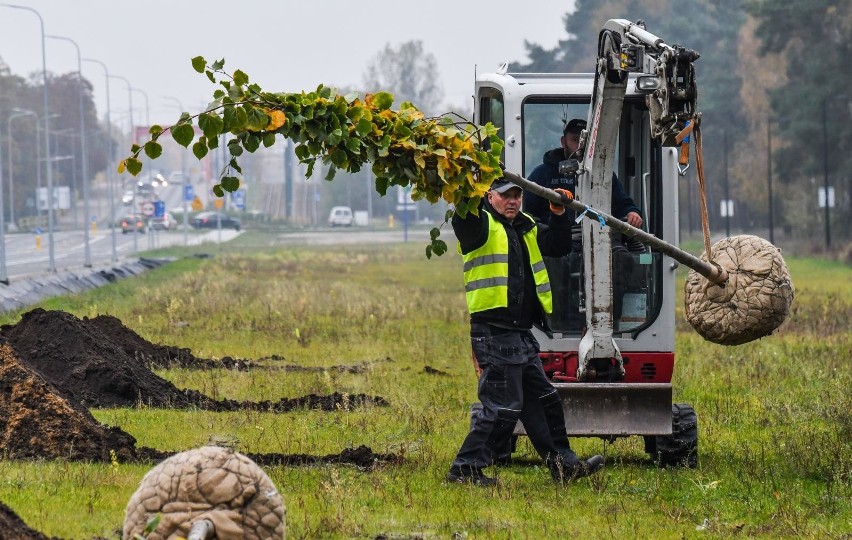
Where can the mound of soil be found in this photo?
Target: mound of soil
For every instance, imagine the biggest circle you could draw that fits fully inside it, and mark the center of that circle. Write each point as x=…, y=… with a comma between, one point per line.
x=158, y=356
x=89, y=363
x=37, y=422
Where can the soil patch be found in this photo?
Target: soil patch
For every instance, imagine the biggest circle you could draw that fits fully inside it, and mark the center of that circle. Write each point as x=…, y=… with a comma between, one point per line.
x=38, y=422
x=89, y=364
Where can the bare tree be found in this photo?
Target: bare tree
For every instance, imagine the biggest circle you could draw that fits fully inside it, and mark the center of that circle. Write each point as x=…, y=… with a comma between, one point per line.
x=409, y=74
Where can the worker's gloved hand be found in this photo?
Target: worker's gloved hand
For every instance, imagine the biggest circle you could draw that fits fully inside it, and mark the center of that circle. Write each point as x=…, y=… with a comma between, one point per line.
x=558, y=209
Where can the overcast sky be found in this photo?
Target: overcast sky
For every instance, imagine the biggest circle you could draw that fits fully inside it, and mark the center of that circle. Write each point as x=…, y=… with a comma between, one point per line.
x=283, y=45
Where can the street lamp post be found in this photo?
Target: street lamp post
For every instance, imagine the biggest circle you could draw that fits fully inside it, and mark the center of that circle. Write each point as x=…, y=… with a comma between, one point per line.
x=110, y=168
x=84, y=161
x=17, y=113
x=130, y=104
x=726, y=204
x=52, y=264
x=769, y=180
x=825, y=173
x=151, y=233
x=185, y=179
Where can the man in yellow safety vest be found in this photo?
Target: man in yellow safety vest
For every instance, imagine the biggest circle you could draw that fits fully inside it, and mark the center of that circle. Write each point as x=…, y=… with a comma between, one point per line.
x=507, y=291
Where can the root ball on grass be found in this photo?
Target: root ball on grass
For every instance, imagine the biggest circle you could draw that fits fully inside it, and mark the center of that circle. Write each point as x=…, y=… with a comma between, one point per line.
x=753, y=302
x=208, y=483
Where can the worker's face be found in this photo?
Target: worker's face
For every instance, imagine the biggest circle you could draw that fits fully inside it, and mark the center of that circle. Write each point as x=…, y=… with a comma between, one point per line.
x=570, y=142
x=507, y=204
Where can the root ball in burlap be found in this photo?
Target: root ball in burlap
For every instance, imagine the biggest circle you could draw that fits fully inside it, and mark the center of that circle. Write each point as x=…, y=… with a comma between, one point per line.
x=213, y=483
x=751, y=304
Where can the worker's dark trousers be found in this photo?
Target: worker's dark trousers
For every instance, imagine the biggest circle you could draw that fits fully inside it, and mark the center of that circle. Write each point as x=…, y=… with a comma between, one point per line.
x=513, y=386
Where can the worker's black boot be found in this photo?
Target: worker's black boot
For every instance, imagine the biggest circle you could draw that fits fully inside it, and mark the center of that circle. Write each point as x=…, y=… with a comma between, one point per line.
x=471, y=476
x=565, y=472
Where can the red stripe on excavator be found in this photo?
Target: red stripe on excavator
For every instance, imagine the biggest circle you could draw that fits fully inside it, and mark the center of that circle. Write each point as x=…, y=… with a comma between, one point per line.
x=646, y=367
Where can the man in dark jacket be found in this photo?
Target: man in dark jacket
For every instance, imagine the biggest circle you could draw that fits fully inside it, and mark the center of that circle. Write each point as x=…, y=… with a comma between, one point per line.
x=547, y=175
x=507, y=291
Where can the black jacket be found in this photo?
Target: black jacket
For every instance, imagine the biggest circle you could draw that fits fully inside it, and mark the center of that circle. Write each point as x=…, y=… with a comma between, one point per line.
x=524, y=309
x=547, y=175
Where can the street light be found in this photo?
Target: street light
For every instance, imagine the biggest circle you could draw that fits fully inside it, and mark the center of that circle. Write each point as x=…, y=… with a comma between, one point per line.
x=84, y=162
x=825, y=102
x=52, y=265
x=184, y=177
x=110, y=168
x=132, y=138
x=17, y=113
x=769, y=179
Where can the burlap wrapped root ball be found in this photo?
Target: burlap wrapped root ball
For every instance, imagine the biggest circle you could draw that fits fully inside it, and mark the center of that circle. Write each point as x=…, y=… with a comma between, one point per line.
x=213, y=483
x=751, y=304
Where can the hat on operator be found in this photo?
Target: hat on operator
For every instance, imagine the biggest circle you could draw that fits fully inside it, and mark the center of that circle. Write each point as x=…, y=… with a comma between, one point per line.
x=574, y=126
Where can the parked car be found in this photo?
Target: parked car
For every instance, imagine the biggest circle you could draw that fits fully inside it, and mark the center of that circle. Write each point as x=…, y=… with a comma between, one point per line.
x=133, y=223
x=162, y=223
x=208, y=220
x=340, y=215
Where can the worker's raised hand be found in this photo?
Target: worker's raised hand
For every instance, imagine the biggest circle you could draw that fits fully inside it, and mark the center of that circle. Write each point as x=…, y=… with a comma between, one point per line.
x=558, y=209
x=633, y=219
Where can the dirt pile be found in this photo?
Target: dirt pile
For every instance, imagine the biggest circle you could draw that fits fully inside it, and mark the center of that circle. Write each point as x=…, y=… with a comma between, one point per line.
x=37, y=422
x=101, y=363
x=159, y=356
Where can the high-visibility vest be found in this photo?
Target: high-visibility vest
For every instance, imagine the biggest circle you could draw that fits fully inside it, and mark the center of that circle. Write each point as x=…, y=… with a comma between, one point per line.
x=486, y=270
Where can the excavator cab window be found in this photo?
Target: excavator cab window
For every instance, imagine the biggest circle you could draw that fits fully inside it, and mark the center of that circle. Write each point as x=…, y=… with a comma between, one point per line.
x=637, y=272
x=492, y=110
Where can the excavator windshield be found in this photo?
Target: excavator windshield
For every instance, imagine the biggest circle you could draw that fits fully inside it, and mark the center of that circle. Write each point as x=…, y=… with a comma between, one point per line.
x=636, y=269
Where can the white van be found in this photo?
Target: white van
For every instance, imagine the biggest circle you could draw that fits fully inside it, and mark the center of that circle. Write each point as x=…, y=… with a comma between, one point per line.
x=340, y=216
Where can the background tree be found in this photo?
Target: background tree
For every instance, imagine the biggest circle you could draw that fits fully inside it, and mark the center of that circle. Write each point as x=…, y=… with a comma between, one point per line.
x=813, y=107
x=409, y=73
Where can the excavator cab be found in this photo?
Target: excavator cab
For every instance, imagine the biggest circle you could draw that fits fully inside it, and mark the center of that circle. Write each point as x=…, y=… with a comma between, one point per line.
x=626, y=390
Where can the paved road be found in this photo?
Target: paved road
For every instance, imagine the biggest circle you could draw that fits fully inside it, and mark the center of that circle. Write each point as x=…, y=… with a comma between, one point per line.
x=24, y=258
x=28, y=254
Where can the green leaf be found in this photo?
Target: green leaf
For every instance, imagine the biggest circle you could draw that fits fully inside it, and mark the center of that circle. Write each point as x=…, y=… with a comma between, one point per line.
x=155, y=130
x=153, y=149
x=212, y=142
x=230, y=183
x=331, y=172
x=199, y=64
x=256, y=119
x=211, y=124
x=217, y=190
x=240, y=78
x=364, y=127
x=210, y=76
x=183, y=134
x=234, y=165
x=234, y=148
x=134, y=166
x=382, y=100
x=199, y=149
x=251, y=142
x=235, y=93
x=268, y=139
x=218, y=64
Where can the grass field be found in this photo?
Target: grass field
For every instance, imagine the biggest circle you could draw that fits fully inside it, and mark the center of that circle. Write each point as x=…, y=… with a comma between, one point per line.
x=775, y=416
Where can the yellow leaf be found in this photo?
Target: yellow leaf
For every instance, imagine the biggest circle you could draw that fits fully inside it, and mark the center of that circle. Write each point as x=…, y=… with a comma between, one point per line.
x=276, y=120
x=122, y=166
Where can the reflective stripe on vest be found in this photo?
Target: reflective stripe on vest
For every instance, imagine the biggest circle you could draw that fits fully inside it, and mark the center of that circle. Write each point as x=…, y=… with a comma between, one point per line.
x=486, y=270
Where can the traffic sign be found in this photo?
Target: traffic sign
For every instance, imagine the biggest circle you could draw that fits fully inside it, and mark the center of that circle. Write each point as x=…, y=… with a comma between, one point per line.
x=148, y=208
x=159, y=209
x=218, y=202
x=188, y=194
x=238, y=199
